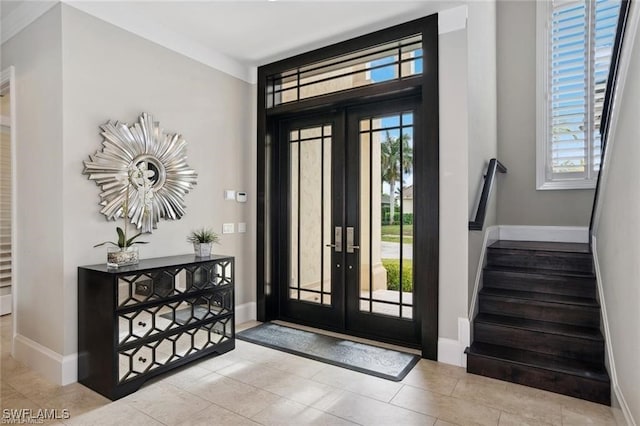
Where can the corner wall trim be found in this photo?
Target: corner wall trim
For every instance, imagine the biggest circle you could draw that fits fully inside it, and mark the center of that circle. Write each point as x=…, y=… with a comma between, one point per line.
x=56, y=368
x=454, y=19
x=565, y=234
x=246, y=312
x=451, y=351
x=607, y=338
x=5, y=304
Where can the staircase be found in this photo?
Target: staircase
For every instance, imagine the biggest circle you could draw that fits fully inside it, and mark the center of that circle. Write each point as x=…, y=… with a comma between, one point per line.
x=538, y=320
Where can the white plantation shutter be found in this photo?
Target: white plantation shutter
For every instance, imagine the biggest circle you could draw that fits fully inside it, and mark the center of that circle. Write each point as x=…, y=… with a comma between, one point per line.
x=577, y=54
x=5, y=207
x=604, y=36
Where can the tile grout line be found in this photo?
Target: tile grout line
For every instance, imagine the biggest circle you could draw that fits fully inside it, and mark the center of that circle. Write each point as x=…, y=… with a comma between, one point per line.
x=397, y=392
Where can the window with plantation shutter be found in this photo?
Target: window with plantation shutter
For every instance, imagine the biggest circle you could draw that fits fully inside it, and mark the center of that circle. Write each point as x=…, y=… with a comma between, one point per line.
x=575, y=41
x=5, y=208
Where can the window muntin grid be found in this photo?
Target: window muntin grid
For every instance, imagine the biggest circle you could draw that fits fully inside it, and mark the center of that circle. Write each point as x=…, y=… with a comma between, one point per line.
x=390, y=61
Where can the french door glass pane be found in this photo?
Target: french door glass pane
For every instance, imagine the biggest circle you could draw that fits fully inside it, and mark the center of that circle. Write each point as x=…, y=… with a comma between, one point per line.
x=310, y=214
x=386, y=215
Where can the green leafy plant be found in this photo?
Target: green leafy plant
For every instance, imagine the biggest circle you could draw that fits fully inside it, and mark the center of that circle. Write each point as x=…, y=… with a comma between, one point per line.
x=123, y=242
x=203, y=235
x=393, y=274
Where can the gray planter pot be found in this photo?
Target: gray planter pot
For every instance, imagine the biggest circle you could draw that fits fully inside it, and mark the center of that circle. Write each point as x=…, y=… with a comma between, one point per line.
x=202, y=249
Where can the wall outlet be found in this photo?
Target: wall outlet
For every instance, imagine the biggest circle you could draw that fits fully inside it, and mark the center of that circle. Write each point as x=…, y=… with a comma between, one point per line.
x=228, y=228
x=143, y=287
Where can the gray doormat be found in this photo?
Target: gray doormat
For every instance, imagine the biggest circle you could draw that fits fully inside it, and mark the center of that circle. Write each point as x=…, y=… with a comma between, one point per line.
x=380, y=362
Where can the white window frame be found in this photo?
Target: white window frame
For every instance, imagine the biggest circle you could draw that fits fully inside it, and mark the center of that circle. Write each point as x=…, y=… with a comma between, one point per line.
x=543, y=142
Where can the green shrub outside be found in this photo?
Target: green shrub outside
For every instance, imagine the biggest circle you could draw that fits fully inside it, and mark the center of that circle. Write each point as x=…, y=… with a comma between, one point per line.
x=407, y=218
x=393, y=274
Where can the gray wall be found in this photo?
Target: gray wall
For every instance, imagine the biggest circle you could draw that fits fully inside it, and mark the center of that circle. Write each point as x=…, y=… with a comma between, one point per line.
x=75, y=72
x=483, y=136
x=519, y=203
x=112, y=74
x=617, y=239
x=454, y=181
x=36, y=53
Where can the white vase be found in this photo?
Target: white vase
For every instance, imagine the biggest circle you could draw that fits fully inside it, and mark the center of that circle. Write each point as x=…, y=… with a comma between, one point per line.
x=117, y=256
x=202, y=249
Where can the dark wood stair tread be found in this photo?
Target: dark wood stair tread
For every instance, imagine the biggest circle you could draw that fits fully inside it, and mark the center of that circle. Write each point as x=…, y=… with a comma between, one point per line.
x=538, y=320
x=538, y=272
x=539, y=360
x=541, y=326
x=542, y=246
x=539, y=297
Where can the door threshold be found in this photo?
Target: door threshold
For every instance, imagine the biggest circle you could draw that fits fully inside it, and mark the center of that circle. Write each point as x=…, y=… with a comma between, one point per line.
x=350, y=337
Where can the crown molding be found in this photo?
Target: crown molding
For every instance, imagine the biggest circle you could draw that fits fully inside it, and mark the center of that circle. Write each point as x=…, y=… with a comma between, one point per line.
x=28, y=11
x=23, y=15
x=132, y=22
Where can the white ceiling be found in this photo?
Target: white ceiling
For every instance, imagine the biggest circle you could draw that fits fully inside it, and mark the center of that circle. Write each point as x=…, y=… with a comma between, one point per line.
x=247, y=33
x=8, y=6
x=256, y=32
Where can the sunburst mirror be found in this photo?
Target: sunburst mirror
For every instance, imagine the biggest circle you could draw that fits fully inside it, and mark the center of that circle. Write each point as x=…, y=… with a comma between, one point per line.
x=159, y=160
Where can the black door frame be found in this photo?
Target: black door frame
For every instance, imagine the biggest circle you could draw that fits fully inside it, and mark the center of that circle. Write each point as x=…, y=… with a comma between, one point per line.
x=426, y=160
x=315, y=314
x=404, y=330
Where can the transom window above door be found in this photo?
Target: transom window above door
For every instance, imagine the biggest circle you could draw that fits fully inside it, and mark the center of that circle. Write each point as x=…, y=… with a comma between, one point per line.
x=387, y=62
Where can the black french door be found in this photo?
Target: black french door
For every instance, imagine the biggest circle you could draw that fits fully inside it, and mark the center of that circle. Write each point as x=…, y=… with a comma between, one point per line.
x=346, y=222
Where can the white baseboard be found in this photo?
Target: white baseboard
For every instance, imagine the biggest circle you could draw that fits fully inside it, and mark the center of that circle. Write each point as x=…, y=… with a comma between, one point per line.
x=624, y=407
x=451, y=351
x=566, y=234
x=5, y=304
x=63, y=370
x=491, y=234
x=246, y=312
x=56, y=368
x=607, y=339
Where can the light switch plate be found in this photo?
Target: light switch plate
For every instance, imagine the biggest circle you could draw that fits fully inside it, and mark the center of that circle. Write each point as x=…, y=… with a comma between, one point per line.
x=242, y=227
x=229, y=194
x=228, y=228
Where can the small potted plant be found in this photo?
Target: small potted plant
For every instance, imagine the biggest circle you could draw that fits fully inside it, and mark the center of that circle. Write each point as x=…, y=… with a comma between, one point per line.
x=123, y=252
x=203, y=239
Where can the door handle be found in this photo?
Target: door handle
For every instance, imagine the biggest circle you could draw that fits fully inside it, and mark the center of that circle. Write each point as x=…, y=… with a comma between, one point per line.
x=350, y=246
x=337, y=239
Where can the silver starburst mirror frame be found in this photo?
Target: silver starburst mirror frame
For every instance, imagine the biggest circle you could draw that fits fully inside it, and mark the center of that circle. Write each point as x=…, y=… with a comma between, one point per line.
x=164, y=175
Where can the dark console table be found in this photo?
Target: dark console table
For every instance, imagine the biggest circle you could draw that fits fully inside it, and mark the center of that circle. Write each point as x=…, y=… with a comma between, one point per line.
x=142, y=320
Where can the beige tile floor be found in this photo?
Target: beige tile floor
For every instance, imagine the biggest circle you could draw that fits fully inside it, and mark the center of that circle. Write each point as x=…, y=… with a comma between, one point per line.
x=256, y=385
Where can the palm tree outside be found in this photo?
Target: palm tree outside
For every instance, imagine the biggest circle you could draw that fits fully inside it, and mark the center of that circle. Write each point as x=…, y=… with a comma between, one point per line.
x=393, y=166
